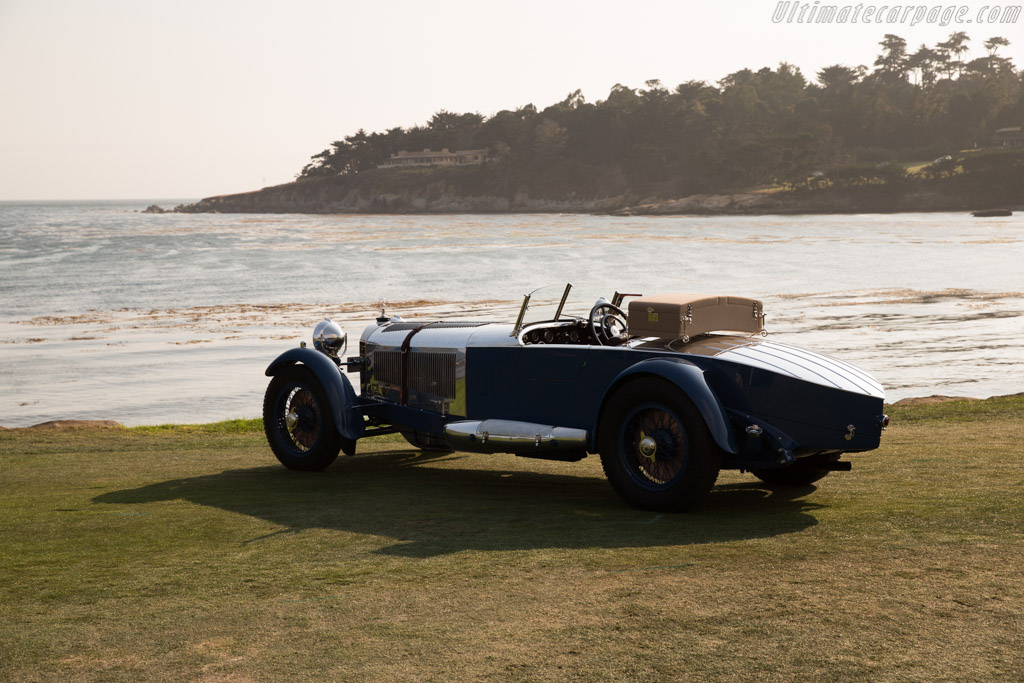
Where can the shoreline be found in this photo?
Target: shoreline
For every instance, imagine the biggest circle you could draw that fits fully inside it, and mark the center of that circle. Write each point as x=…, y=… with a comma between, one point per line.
x=384, y=194
x=738, y=204
x=1015, y=209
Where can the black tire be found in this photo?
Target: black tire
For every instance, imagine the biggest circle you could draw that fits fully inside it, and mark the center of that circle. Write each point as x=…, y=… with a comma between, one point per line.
x=426, y=442
x=788, y=476
x=311, y=442
x=646, y=417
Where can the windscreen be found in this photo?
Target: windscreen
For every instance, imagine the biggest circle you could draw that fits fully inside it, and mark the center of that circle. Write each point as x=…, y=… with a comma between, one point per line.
x=544, y=301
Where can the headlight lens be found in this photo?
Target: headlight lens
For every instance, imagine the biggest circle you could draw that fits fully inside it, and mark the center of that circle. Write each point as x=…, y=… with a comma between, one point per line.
x=329, y=338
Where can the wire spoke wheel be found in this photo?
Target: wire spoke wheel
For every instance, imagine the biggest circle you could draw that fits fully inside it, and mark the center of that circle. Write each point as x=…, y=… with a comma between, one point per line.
x=298, y=421
x=301, y=418
x=655, y=446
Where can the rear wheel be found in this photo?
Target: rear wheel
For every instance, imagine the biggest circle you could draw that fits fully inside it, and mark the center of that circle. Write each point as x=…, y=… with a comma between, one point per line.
x=655, y=447
x=298, y=421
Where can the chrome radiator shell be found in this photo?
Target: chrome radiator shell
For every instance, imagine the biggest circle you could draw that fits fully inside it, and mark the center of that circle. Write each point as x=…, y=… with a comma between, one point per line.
x=422, y=364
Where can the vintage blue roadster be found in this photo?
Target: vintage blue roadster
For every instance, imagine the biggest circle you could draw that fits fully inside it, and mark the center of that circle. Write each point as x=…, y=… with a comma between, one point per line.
x=669, y=390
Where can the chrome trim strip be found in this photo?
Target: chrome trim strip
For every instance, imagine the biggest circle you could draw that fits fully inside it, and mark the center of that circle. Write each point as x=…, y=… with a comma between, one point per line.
x=509, y=436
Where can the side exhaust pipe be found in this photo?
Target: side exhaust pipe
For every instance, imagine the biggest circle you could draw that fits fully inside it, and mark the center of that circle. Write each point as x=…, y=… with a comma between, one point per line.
x=507, y=436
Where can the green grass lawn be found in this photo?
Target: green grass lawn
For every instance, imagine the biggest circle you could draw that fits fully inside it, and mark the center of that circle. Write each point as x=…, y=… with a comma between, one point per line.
x=177, y=553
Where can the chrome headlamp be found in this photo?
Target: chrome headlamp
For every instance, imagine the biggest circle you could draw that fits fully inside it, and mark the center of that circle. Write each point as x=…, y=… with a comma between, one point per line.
x=329, y=338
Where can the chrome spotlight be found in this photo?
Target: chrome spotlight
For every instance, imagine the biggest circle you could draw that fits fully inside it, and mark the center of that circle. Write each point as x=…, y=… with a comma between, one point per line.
x=329, y=338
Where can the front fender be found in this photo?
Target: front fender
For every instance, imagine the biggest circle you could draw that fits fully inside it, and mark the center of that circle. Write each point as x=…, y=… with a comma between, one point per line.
x=691, y=381
x=348, y=418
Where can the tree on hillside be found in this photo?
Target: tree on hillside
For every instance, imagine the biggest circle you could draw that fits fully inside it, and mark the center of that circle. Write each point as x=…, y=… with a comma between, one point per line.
x=510, y=129
x=994, y=43
x=892, y=63
x=753, y=126
x=954, y=48
x=924, y=62
x=572, y=101
x=782, y=88
x=838, y=76
x=993, y=62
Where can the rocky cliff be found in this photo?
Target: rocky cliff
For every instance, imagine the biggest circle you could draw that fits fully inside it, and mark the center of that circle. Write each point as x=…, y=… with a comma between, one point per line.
x=345, y=195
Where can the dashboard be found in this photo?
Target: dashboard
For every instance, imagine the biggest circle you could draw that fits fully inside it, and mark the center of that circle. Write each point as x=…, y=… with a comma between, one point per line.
x=561, y=332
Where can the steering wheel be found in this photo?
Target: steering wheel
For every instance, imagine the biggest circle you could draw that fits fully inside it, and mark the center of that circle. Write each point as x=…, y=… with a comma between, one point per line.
x=608, y=323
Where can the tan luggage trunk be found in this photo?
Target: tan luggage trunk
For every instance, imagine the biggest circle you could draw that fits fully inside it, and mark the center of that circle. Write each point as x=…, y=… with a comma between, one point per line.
x=685, y=316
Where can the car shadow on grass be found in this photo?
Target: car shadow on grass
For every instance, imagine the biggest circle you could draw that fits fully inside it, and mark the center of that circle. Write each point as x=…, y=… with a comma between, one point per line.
x=431, y=510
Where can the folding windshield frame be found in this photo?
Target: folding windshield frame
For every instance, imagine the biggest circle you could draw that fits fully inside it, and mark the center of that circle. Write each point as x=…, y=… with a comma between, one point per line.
x=517, y=328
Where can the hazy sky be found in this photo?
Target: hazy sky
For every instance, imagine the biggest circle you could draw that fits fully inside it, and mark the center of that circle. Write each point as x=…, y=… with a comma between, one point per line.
x=182, y=99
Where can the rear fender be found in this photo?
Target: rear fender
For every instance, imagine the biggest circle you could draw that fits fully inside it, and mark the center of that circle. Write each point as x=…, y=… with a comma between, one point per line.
x=764, y=446
x=348, y=416
x=691, y=381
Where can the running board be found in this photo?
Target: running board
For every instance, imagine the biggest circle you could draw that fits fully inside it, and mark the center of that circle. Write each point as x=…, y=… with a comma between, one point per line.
x=509, y=436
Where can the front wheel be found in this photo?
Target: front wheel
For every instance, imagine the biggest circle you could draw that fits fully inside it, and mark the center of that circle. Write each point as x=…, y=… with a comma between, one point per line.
x=656, y=449
x=298, y=421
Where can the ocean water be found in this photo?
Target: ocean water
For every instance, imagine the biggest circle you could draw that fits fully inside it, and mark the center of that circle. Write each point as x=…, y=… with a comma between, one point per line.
x=109, y=313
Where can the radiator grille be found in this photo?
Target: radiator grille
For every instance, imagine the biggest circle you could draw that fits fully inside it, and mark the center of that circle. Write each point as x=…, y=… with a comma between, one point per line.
x=387, y=367
x=432, y=372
